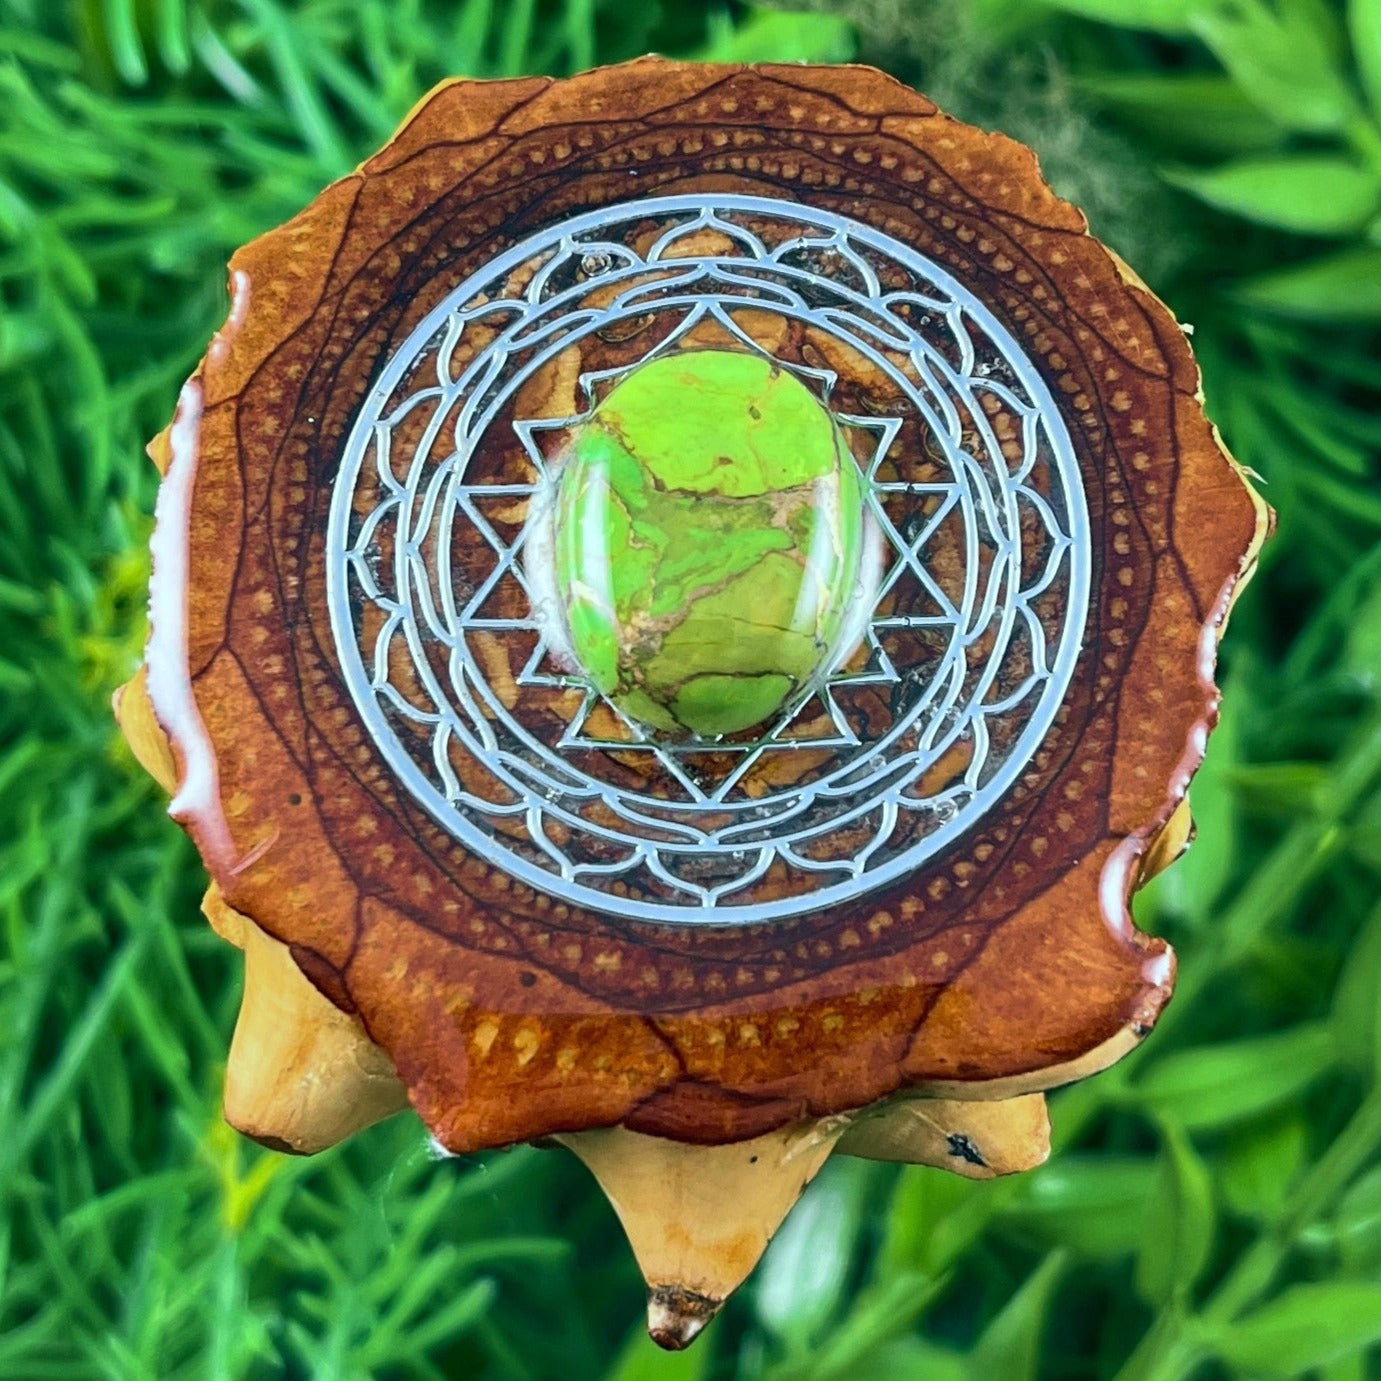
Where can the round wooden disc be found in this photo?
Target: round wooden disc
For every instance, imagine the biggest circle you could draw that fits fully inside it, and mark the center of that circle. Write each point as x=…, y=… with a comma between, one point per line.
x=1004, y=961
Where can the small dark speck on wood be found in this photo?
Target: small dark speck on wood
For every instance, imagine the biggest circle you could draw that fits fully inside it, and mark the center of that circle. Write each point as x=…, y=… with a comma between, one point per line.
x=963, y=1149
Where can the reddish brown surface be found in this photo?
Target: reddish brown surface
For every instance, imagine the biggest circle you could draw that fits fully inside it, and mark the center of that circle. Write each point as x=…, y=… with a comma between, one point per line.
x=510, y=1015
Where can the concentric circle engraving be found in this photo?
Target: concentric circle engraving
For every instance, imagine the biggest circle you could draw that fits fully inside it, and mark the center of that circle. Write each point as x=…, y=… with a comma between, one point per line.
x=965, y=632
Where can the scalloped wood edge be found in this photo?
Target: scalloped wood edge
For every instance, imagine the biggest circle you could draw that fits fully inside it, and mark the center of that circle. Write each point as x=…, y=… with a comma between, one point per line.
x=303, y=1074
x=198, y=809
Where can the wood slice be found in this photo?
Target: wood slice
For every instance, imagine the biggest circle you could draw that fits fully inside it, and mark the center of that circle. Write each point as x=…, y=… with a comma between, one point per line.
x=1005, y=962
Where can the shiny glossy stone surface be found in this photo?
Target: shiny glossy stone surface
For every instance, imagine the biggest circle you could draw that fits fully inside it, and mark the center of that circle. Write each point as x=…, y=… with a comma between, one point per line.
x=709, y=526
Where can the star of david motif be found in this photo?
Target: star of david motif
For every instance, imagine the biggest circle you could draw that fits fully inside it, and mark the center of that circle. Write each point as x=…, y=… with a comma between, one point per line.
x=965, y=631
x=691, y=761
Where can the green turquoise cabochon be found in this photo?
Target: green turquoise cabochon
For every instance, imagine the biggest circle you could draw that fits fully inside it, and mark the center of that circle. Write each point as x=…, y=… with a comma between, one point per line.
x=709, y=527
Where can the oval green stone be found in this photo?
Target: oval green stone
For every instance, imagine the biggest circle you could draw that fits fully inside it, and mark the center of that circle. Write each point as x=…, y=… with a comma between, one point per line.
x=708, y=533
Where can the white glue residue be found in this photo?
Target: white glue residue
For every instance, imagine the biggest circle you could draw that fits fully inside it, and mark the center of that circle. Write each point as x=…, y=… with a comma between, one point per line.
x=1115, y=883
x=196, y=802
x=239, y=306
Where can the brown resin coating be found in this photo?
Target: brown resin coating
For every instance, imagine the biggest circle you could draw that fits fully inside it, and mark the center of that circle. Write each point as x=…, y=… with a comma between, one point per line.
x=510, y=1015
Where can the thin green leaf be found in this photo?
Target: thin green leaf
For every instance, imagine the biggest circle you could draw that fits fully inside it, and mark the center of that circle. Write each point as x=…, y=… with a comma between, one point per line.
x=879, y=1316
x=1260, y=1165
x=1343, y=287
x=1010, y=1346
x=1179, y=1225
x=1202, y=112
x=1284, y=57
x=771, y=36
x=1288, y=787
x=1307, y=1326
x=517, y=37
x=915, y=1359
x=1357, y=1226
x=1364, y=23
x=1158, y=16
x=1092, y=1205
x=933, y=1219
x=126, y=47
x=173, y=46
x=1314, y=194
x=1217, y=1085
x=1357, y=1001
x=803, y=1275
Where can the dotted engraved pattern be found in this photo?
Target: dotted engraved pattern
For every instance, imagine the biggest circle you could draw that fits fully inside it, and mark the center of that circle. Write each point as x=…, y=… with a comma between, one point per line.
x=972, y=636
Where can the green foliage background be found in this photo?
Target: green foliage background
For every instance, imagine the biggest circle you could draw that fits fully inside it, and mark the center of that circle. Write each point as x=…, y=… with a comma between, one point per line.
x=1214, y=1204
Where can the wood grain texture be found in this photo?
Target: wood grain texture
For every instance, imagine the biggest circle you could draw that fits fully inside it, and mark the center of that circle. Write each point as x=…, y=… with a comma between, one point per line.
x=509, y=1015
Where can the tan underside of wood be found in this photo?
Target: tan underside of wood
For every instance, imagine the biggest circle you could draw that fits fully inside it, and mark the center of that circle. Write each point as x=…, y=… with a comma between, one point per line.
x=978, y=1140
x=1168, y=845
x=147, y=741
x=302, y=1074
x=699, y=1217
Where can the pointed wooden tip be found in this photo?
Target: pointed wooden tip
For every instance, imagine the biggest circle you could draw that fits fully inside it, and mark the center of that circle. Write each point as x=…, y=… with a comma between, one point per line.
x=978, y=1140
x=699, y=1217
x=676, y=1317
x=302, y=1074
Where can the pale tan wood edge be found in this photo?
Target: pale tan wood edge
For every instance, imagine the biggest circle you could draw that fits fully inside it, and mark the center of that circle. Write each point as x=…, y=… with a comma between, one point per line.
x=978, y=1140
x=699, y=1217
x=147, y=741
x=302, y=1075
x=1168, y=845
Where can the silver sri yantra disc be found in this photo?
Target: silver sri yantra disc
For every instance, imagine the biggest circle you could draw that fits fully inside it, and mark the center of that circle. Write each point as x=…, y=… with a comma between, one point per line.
x=964, y=644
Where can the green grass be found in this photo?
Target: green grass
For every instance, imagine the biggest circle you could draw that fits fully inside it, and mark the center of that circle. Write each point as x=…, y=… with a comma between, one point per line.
x=1214, y=1204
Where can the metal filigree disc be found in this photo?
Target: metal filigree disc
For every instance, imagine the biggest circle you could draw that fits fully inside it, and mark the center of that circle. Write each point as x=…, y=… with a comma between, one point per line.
x=442, y=610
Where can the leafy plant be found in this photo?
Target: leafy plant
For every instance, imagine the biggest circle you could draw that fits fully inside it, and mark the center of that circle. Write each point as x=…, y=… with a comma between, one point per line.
x=1309, y=105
